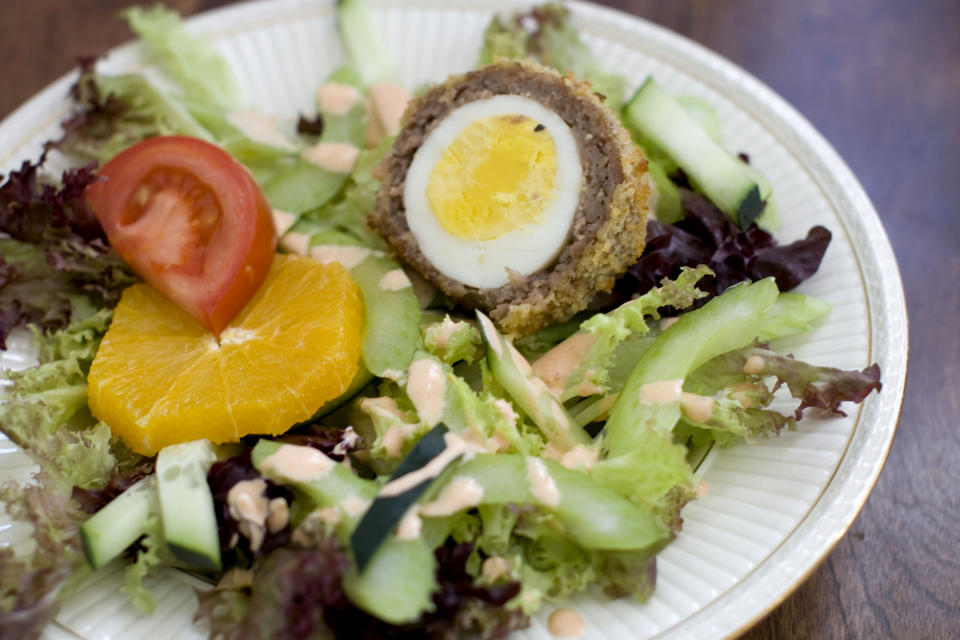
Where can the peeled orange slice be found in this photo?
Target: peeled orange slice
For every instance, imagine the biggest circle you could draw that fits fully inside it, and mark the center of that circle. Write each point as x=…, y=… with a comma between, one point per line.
x=160, y=377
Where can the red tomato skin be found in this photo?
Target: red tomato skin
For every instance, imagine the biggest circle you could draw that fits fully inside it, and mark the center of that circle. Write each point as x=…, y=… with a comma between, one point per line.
x=211, y=278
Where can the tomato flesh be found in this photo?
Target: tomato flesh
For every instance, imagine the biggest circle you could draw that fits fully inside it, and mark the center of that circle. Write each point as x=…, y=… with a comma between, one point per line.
x=191, y=221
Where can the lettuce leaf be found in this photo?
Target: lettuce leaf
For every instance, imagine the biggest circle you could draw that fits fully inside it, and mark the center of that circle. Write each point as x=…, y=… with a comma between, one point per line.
x=546, y=34
x=605, y=333
x=707, y=236
x=822, y=388
x=297, y=593
x=115, y=112
x=348, y=211
x=200, y=70
x=45, y=411
x=56, y=265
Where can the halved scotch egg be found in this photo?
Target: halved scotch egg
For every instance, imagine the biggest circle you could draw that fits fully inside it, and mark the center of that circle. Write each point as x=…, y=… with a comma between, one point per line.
x=514, y=190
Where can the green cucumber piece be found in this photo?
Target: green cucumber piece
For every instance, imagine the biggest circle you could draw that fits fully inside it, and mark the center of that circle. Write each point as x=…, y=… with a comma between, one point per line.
x=658, y=117
x=186, y=504
x=391, y=329
x=596, y=517
x=530, y=393
x=730, y=321
x=108, y=532
x=667, y=207
x=397, y=584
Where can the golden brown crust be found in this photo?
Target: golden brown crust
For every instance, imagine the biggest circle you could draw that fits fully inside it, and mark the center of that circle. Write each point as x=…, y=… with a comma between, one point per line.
x=609, y=227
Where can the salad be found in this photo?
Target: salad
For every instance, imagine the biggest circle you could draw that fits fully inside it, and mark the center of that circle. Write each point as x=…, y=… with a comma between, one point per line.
x=426, y=474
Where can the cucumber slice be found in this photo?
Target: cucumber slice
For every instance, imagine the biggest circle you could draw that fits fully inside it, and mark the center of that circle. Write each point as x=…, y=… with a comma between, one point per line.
x=513, y=371
x=658, y=117
x=391, y=329
x=186, y=504
x=108, y=532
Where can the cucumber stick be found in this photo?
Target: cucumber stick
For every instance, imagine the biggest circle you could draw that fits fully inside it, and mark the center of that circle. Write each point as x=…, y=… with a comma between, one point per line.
x=657, y=116
x=391, y=329
x=596, y=517
x=108, y=532
x=397, y=583
x=530, y=393
x=186, y=504
x=730, y=321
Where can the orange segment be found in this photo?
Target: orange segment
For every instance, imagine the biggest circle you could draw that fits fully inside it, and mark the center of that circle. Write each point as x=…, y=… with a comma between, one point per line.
x=160, y=377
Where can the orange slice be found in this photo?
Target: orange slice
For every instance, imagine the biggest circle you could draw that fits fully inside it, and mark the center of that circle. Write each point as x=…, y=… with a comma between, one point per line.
x=160, y=377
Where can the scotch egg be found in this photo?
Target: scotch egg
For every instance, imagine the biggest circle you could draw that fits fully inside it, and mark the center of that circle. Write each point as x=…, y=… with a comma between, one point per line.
x=514, y=190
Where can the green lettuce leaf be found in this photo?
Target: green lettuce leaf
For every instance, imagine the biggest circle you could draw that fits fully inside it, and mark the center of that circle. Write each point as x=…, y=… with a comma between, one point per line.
x=116, y=112
x=200, y=70
x=452, y=341
x=546, y=34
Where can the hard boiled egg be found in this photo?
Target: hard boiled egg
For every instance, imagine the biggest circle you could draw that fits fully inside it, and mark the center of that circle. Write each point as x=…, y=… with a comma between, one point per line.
x=493, y=190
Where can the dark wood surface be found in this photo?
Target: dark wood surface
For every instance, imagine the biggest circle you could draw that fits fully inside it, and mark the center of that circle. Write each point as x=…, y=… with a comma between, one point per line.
x=881, y=80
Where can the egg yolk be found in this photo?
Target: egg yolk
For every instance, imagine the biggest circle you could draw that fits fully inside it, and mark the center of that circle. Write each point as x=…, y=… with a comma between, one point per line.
x=496, y=176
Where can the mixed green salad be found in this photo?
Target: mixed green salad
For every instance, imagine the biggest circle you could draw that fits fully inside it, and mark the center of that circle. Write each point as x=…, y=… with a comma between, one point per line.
x=396, y=521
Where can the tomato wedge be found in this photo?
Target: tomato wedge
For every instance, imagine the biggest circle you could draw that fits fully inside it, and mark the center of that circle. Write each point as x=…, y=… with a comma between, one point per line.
x=191, y=221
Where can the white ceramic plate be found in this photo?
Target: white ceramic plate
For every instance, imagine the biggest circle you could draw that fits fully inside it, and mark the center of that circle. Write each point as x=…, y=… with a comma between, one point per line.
x=775, y=508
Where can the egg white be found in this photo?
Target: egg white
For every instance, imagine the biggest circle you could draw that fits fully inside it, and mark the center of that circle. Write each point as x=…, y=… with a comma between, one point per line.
x=525, y=250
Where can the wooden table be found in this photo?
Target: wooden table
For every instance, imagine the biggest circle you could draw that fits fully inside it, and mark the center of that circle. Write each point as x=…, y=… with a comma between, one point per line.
x=881, y=80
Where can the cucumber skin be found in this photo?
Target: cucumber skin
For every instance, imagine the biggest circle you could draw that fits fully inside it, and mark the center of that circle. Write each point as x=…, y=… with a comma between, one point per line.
x=730, y=321
x=658, y=117
x=391, y=331
x=112, y=529
x=186, y=504
x=397, y=583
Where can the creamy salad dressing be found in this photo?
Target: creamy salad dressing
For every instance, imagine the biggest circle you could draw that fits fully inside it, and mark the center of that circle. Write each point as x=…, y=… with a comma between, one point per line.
x=455, y=447
x=542, y=485
x=389, y=102
x=754, y=365
x=410, y=525
x=507, y=411
x=463, y=492
x=586, y=387
x=296, y=243
x=445, y=331
x=579, y=455
x=282, y=221
x=348, y=440
x=427, y=386
x=566, y=623
x=247, y=503
x=335, y=157
x=279, y=515
x=260, y=128
x=666, y=322
x=697, y=408
x=336, y=99
x=298, y=464
x=346, y=255
x=494, y=567
x=557, y=365
x=354, y=506
x=395, y=436
x=662, y=392
x=394, y=280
